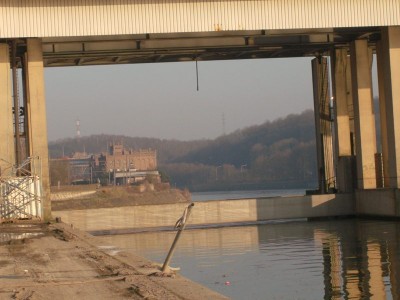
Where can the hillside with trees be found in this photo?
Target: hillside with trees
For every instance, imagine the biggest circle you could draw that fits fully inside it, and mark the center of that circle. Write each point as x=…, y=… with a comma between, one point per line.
x=277, y=154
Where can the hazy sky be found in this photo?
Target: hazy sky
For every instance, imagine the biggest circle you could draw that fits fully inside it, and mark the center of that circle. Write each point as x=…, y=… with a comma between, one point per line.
x=160, y=100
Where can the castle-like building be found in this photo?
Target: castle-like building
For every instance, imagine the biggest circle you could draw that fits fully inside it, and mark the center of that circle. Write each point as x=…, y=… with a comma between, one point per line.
x=128, y=166
x=117, y=166
x=119, y=159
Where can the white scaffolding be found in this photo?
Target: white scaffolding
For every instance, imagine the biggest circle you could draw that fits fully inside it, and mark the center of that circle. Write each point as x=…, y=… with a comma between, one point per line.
x=20, y=190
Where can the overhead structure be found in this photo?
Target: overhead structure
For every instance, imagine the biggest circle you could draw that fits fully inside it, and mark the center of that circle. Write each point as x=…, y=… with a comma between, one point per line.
x=92, y=32
x=48, y=33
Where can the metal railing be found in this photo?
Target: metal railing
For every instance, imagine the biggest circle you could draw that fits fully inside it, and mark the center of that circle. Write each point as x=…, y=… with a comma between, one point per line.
x=20, y=190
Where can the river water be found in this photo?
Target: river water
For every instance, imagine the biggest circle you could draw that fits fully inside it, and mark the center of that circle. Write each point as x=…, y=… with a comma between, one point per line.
x=338, y=259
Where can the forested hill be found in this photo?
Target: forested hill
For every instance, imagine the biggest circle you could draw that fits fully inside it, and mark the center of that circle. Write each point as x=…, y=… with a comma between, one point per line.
x=249, y=144
x=281, y=152
x=278, y=154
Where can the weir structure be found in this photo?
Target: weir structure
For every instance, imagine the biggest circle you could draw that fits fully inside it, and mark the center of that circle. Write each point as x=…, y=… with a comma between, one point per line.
x=342, y=36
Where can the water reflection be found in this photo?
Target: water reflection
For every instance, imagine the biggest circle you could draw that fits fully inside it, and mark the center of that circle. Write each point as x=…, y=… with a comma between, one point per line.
x=362, y=262
x=348, y=259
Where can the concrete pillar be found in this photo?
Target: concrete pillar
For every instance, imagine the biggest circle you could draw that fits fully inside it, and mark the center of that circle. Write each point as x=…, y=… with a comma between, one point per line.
x=382, y=110
x=339, y=83
x=350, y=106
x=389, y=67
x=342, y=120
x=36, y=109
x=7, y=148
x=365, y=132
x=323, y=124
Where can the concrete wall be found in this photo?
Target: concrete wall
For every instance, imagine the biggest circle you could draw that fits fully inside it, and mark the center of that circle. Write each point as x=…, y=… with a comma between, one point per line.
x=210, y=212
x=379, y=202
x=70, y=195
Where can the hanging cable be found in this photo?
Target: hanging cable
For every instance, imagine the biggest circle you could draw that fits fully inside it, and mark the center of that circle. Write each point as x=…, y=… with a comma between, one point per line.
x=197, y=75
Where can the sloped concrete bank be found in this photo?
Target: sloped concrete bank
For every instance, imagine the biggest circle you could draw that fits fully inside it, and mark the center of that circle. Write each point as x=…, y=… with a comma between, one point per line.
x=211, y=212
x=55, y=261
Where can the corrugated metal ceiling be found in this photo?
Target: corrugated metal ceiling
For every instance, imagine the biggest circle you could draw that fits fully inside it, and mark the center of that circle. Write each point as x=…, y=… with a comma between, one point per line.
x=51, y=18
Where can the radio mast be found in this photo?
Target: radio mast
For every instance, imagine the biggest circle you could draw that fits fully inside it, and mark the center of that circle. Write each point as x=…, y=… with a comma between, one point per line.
x=78, y=128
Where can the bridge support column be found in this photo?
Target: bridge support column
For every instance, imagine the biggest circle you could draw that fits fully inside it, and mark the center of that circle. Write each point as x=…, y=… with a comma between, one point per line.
x=36, y=109
x=382, y=112
x=389, y=85
x=7, y=153
x=365, y=132
x=323, y=124
x=341, y=93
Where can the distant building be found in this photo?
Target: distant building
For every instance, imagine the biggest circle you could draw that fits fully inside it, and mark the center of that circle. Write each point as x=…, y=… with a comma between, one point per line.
x=120, y=159
x=81, y=168
x=128, y=166
x=118, y=166
x=77, y=169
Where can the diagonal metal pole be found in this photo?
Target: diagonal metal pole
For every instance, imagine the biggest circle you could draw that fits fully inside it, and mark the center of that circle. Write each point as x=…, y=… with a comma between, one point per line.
x=180, y=224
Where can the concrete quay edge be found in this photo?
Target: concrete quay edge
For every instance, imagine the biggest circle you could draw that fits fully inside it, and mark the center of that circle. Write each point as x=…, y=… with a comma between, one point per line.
x=56, y=260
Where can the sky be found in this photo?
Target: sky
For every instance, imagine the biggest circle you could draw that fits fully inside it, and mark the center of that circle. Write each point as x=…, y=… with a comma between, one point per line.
x=161, y=100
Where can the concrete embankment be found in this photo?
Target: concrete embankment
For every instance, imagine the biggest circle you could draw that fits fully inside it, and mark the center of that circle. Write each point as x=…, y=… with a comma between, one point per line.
x=210, y=212
x=41, y=261
x=71, y=195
